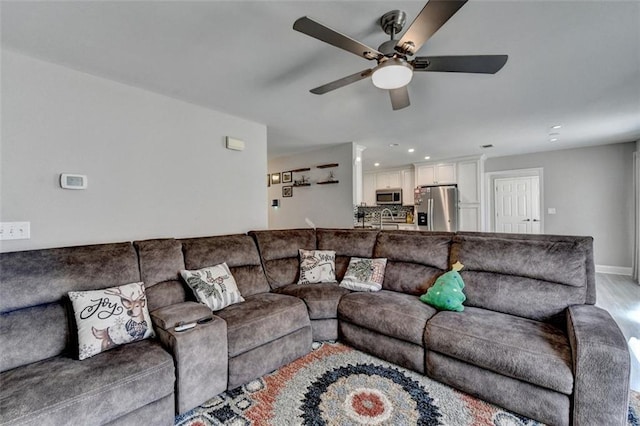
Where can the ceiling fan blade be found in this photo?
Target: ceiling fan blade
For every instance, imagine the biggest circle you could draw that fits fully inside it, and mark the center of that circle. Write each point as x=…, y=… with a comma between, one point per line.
x=480, y=64
x=317, y=30
x=399, y=98
x=429, y=20
x=321, y=90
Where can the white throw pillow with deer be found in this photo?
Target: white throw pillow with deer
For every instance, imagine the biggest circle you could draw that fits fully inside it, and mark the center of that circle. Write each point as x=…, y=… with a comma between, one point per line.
x=214, y=286
x=110, y=317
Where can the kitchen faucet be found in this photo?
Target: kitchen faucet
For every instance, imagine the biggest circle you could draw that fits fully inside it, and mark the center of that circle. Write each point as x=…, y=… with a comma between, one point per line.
x=382, y=214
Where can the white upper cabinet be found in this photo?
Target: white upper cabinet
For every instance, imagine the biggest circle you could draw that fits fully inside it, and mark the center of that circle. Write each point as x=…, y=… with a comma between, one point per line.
x=469, y=181
x=407, y=187
x=386, y=180
x=436, y=174
x=369, y=189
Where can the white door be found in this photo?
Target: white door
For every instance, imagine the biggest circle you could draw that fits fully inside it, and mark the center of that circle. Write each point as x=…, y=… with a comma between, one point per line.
x=517, y=205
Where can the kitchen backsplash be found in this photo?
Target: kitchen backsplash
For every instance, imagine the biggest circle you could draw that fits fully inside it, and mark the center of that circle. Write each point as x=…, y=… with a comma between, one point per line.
x=372, y=214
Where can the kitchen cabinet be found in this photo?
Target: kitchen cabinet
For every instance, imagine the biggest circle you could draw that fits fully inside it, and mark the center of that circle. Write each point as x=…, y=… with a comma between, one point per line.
x=469, y=175
x=468, y=181
x=407, y=187
x=469, y=218
x=436, y=174
x=386, y=180
x=369, y=189
x=371, y=181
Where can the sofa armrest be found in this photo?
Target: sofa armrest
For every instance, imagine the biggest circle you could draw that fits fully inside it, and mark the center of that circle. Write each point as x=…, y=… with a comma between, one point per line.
x=168, y=317
x=601, y=367
x=200, y=354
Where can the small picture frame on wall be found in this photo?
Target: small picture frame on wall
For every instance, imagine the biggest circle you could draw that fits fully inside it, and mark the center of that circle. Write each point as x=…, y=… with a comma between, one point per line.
x=287, y=191
x=275, y=178
x=286, y=177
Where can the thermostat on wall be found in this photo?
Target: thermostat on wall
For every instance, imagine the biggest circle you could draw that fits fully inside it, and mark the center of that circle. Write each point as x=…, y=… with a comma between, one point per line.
x=69, y=181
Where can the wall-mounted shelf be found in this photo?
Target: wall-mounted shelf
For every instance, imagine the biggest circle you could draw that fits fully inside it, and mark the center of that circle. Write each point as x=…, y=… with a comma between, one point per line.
x=306, y=169
x=328, y=182
x=326, y=166
x=301, y=184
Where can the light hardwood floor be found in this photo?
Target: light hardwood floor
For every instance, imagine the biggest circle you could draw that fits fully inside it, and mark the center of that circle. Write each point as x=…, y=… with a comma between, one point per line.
x=619, y=295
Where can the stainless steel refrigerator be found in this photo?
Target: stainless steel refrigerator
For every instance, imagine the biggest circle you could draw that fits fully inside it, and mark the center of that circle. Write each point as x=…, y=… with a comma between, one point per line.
x=437, y=208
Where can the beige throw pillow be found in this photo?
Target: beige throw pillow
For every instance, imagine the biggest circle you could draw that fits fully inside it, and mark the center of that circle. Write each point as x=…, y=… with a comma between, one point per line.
x=214, y=286
x=364, y=274
x=317, y=266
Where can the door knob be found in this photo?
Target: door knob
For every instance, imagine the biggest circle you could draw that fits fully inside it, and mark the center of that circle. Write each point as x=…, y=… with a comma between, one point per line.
x=527, y=220
x=536, y=220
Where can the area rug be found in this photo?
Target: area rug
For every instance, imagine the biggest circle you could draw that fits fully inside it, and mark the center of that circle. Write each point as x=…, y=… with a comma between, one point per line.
x=338, y=385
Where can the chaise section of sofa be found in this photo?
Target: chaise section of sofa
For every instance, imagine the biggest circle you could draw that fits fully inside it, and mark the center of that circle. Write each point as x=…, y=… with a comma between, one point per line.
x=41, y=380
x=394, y=317
x=516, y=345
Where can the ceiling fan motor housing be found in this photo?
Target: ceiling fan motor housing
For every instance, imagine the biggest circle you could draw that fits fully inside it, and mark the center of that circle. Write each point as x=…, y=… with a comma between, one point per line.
x=393, y=22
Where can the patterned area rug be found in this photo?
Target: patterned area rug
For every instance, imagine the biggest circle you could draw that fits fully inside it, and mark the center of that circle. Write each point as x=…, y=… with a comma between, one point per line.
x=338, y=385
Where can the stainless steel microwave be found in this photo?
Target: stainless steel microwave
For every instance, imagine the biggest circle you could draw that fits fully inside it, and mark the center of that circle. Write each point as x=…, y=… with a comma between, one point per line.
x=388, y=196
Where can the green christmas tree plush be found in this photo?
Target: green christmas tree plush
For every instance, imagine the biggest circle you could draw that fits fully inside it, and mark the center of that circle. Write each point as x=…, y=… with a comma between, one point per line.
x=446, y=294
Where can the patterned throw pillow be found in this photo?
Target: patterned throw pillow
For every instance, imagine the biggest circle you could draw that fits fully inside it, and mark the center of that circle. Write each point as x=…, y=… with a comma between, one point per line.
x=214, y=286
x=317, y=266
x=364, y=274
x=110, y=317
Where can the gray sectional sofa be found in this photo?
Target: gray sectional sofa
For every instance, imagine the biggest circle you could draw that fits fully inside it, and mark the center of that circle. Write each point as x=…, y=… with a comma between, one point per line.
x=529, y=339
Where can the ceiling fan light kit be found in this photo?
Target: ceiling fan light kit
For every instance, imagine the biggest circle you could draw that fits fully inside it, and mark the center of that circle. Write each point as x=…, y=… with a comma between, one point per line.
x=394, y=70
x=393, y=73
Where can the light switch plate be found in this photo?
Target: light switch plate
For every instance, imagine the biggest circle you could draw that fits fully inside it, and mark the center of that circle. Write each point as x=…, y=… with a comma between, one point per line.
x=551, y=210
x=15, y=230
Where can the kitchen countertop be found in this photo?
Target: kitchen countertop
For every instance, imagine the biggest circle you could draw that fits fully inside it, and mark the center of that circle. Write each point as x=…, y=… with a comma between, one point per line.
x=396, y=224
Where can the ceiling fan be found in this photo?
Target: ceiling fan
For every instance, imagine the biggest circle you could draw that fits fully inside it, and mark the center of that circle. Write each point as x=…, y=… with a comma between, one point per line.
x=394, y=68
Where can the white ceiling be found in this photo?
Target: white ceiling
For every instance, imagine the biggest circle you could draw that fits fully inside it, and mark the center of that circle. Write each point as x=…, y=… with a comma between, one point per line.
x=574, y=63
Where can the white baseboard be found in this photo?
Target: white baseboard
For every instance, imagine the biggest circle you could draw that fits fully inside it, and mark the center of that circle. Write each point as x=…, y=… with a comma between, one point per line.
x=616, y=270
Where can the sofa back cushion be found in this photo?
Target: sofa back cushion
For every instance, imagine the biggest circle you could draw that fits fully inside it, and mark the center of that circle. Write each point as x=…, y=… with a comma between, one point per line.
x=414, y=259
x=279, y=253
x=161, y=261
x=238, y=251
x=346, y=243
x=34, y=320
x=531, y=276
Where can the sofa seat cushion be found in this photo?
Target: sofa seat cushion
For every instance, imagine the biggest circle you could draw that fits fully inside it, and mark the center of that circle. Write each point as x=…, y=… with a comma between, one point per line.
x=93, y=391
x=393, y=314
x=262, y=318
x=321, y=299
x=528, y=350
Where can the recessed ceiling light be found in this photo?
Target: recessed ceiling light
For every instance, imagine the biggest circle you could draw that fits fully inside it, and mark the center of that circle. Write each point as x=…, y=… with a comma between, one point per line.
x=427, y=157
x=556, y=127
x=553, y=139
x=376, y=164
x=393, y=144
x=411, y=150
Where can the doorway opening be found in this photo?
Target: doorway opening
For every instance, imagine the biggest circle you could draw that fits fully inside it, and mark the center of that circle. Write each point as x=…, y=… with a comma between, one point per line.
x=515, y=202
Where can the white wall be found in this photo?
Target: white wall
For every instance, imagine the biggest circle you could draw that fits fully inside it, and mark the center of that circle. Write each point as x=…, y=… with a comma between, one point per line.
x=327, y=206
x=592, y=191
x=156, y=166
